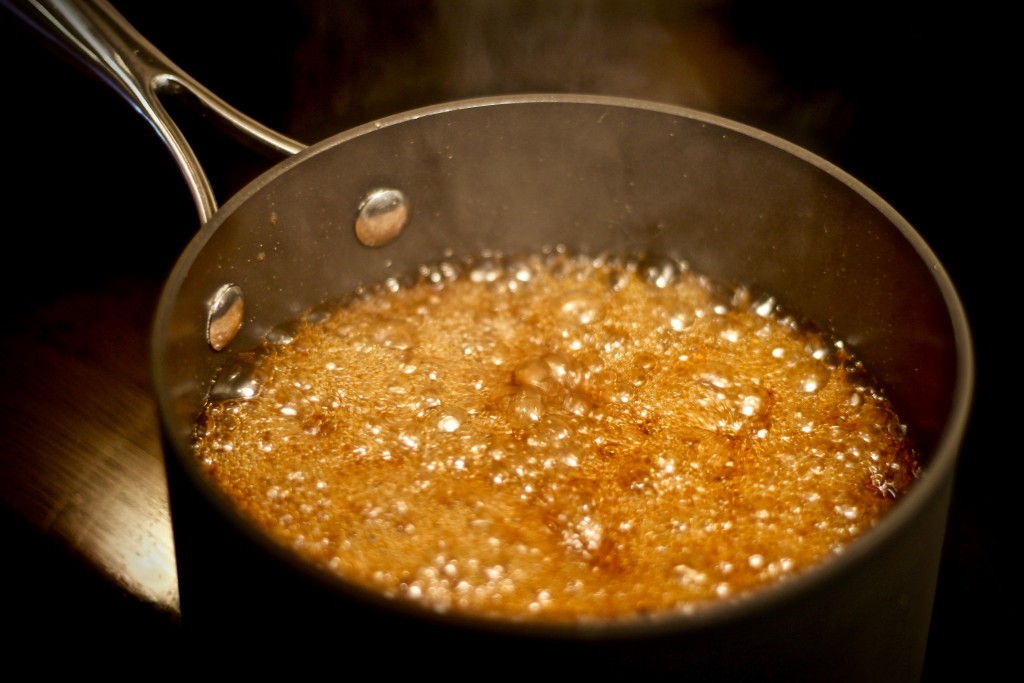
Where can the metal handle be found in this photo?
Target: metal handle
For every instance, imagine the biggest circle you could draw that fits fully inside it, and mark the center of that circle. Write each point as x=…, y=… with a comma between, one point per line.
x=98, y=36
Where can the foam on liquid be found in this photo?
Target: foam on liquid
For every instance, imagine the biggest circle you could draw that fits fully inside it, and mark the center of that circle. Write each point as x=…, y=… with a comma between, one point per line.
x=557, y=437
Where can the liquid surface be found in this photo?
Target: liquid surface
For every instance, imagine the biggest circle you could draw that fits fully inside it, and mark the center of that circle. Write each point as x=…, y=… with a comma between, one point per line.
x=557, y=437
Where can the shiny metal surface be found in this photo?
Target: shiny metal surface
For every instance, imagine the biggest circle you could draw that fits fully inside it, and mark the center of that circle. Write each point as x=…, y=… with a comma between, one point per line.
x=68, y=460
x=225, y=317
x=382, y=215
x=596, y=173
x=96, y=33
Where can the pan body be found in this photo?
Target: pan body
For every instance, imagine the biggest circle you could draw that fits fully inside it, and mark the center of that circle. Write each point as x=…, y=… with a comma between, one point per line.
x=515, y=174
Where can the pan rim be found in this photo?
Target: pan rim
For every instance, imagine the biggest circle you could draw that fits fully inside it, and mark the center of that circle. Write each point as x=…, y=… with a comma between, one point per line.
x=936, y=477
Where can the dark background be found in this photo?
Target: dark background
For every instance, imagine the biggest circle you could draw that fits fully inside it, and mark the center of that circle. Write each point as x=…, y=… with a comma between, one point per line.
x=903, y=95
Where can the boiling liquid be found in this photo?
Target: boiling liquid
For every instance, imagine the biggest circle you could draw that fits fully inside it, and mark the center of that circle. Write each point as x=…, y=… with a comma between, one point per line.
x=558, y=437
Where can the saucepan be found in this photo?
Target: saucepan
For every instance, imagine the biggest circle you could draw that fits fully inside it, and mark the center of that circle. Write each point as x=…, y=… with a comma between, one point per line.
x=512, y=174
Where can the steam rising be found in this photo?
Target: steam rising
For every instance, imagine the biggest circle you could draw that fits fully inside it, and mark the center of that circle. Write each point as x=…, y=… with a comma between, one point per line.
x=364, y=62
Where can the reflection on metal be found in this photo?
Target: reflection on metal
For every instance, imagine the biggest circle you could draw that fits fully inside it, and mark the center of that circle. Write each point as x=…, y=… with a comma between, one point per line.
x=239, y=379
x=227, y=310
x=382, y=216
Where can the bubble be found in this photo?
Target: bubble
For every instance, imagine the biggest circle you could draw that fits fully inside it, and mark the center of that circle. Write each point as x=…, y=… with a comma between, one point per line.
x=765, y=307
x=660, y=271
x=681, y=318
x=810, y=376
x=563, y=369
x=451, y=420
x=526, y=406
x=534, y=372
x=285, y=333
x=582, y=307
x=554, y=428
x=429, y=398
x=578, y=403
x=520, y=268
x=394, y=335
x=486, y=270
x=751, y=405
x=408, y=362
x=850, y=512
x=438, y=273
x=731, y=334
x=242, y=377
x=621, y=392
x=410, y=438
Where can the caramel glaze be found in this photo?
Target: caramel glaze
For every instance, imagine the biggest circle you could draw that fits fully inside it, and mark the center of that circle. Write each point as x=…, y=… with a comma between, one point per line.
x=559, y=437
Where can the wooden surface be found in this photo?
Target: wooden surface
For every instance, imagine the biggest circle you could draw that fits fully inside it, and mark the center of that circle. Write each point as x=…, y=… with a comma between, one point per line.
x=83, y=483
x=95, y=214
x=88, y=468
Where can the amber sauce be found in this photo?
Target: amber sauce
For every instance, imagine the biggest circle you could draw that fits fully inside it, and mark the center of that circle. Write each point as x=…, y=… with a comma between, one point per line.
x=562, y=438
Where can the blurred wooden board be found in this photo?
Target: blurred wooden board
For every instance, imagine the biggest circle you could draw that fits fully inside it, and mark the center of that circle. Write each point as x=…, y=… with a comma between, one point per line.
x=82, y=462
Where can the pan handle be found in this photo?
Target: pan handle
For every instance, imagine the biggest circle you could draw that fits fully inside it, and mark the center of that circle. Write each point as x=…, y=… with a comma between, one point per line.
x=99, y=37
